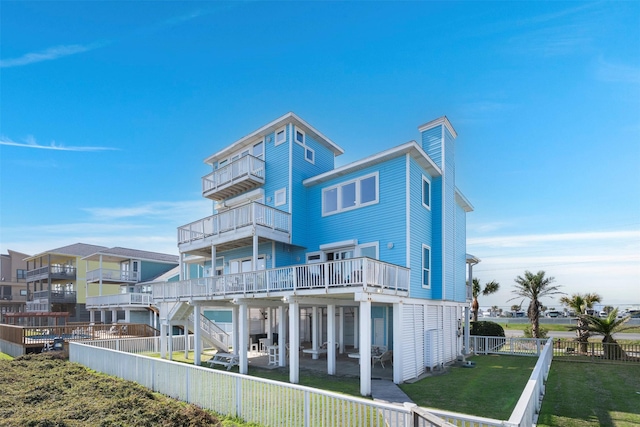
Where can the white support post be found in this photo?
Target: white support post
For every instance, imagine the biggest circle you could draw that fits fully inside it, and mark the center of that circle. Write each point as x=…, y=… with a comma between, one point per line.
x=365, y=348
x=92, y=316
x=197, y=341
x=356, y=328
x=243, y=337
x=314, y=331
x=467, y=331
x=235, y=316
x=254, y=258
x=127, y=315
x=294, y=342
x=331, y=339
x=114, y=315
x=341, y=329
x=185, y=328
x=398, y=351
x=282, y=339
x=170, y=326
x=163, y=340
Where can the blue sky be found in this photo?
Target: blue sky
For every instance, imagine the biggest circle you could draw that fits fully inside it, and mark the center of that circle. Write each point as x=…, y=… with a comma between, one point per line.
x=108, y=109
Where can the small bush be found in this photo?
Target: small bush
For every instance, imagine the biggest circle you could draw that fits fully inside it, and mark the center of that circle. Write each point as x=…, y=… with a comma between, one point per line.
x=487, y=329
x=529, y=334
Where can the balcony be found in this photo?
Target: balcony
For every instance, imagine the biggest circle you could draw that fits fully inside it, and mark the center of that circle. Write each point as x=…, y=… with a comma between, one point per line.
x=55, y=297
x=112, y=276
x=334, y=277
x=235, y=228
x=237, y=177
x=55, y=272
x=119, y=300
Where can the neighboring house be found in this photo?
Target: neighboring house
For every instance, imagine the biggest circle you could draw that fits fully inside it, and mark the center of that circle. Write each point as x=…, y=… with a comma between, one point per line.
x=66, y=279
x=369, y=253
x=13, y=283
x=134, y=268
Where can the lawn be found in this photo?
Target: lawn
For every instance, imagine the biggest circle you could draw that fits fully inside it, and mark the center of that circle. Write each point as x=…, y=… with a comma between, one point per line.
x=491, y=389
x=591, y=395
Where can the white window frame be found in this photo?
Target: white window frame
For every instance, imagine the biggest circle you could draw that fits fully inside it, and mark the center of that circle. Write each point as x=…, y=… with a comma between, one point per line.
x=295, y=136
x=318, y=254
x=357, y=204
x=280, y=197
x=311, y=160
x=423, y=269
x=284, y=136
x=427, y=180
x=253, y=147
x=375, y=245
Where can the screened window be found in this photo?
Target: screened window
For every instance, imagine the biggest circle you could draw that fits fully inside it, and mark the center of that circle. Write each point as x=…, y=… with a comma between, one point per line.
x=426, y=192
x=426, y=266
x=352, y=194
x=280, y=136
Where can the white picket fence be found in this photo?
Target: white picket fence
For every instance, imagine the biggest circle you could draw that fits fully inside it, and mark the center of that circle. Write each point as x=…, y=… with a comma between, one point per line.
x=272, y=403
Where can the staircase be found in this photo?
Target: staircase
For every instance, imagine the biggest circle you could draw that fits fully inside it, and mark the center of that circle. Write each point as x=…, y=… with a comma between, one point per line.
x=210, y=333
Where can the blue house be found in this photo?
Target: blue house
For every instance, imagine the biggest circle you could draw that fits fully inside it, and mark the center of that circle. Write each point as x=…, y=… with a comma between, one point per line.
x=364, y=258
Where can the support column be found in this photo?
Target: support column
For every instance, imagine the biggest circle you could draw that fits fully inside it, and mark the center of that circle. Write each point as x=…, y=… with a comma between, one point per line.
x=467, y=329
x=398, y=350
x=331, y=339
x=314, y=330
x=282, y=341
x=114, y=316
x=235, y=319
x=197, y=339
x=170, y=326
x=294, y=342
x=103, y=316
x=127, y=316
x=356, y=328
x=163, y=340
x=254, y=258
x=185, y=328
x=365, y=348
x=213, y=261
x=243, y=337
x=341, y=329
x=92, y=316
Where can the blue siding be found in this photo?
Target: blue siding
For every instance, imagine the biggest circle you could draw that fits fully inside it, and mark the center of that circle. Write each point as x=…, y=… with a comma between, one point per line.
x=384, y=222
x=276, y=169
x=420, y=231
x=150, y=270
x=432, y=144
x=461, y=255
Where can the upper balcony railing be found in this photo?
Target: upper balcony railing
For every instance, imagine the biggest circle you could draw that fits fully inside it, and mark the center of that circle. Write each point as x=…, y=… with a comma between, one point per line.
x=365, y=273
x=240, y=175
x=112, y=276
x=251, y=214
x=56, y=272
x=119, y=300
x=62, y=297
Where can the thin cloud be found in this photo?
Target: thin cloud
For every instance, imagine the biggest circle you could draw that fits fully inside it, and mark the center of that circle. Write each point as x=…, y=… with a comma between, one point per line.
x=49, y=54
x=524, y=240
x=32, y=143
x=617, y=73
x=175, y=210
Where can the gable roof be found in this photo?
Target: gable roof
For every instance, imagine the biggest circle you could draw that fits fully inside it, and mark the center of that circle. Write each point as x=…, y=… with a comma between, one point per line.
x=412, y=148
x=76, y=249
x=117, y=254
x=272, y=127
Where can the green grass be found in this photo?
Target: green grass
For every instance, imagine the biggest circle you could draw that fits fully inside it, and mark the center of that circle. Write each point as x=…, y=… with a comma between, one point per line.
x=557, y=327
x=591, y=395
x=4, y=356
x=491, y=389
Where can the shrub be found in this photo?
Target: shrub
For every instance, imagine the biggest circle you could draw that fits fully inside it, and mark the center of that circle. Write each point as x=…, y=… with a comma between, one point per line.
x=542, y=331
x=487, y=329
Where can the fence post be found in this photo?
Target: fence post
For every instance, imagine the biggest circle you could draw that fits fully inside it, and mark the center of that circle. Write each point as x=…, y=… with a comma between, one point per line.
x=238, y=398
x=307, y=420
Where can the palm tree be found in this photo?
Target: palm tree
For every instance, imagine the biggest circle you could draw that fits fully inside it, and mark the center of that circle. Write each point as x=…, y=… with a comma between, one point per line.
x=476, y=289
x=608, y=326
x=534, y=287
x=579, y=303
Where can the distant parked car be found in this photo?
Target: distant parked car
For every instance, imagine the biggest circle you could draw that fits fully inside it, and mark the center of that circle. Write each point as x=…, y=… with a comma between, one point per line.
x=553, y=314
x=603, y=314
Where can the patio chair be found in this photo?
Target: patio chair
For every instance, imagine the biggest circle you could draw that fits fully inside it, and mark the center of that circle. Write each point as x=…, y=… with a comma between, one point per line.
x=387, y=356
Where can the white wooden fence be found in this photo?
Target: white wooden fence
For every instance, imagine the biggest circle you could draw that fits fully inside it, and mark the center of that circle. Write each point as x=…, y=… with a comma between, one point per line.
x=272, y=403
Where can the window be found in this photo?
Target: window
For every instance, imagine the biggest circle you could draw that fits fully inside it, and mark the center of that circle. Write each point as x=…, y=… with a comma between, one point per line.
x=258, y=150
x=369, y=250
x=281, y=136
x=426, y=192
x=23, y=292
x=353, y=194
x=280, y=197
x=309, y=155
x=299, y=137
x=21, y=274
x=426, y=266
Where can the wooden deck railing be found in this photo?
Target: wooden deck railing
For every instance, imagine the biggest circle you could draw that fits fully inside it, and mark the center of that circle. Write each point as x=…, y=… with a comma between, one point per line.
x=74, y=332
x=356, y=272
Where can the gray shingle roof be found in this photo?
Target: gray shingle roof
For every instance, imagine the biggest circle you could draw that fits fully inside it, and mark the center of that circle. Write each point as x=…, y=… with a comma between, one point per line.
x=78, y=249
x=138, y=254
